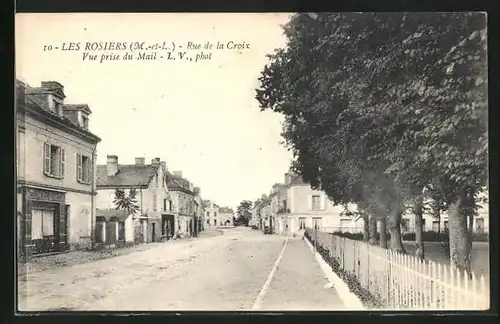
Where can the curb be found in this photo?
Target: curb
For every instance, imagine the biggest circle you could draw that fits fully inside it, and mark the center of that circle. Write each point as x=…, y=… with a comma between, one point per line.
x=350, y=300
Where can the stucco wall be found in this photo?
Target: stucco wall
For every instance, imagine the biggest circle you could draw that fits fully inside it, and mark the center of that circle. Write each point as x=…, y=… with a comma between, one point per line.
x=129, y=229
x=79, y=219
x=36, y=133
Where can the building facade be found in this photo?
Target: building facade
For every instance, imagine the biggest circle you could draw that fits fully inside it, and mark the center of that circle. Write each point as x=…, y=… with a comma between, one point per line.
x=200, y=212
x=56, y=155
x=145, y=185
x=225, y=217
x=211, y=213
x=183, y=197
x=440, y=224
x=295, y=205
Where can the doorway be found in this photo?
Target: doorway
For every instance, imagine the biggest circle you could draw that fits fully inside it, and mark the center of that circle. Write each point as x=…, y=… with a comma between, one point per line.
x=153, y=232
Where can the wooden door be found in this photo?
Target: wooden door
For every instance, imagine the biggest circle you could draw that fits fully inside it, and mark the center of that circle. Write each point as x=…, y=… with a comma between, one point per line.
x=111, y=233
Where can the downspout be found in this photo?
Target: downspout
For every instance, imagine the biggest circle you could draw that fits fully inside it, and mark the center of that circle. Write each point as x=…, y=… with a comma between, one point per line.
x=93, y=193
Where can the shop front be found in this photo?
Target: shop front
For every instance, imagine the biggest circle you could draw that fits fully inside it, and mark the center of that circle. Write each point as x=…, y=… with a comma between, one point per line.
x=44, y=221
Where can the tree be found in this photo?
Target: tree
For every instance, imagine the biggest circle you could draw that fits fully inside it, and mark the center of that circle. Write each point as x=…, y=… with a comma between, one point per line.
x=127, y=203
x=244, y=212
x=379, y=107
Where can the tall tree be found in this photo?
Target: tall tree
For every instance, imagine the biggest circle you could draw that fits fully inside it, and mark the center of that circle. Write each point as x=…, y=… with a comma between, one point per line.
x=244, y=212
x=378, y=106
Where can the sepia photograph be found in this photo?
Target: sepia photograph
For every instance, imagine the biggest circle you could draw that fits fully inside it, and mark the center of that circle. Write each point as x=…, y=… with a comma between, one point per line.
x=260, y=162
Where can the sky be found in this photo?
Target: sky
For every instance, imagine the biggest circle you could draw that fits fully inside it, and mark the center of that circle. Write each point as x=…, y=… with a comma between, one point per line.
x=200, y=117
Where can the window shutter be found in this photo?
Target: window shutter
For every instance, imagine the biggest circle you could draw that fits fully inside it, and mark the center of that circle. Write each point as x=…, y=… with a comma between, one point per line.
x=89, y=170
x=79, y=166
x=310, y=202
x=323, y=202
x=46, y=158
x=63, y=161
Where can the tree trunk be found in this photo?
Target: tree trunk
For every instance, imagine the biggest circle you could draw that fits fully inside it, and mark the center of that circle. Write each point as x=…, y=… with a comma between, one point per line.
x=373, y=230
x=383, y=232
x=439, y=221
x=395, y=230
x=366, y=226
x=419, y=241
x=459, y=238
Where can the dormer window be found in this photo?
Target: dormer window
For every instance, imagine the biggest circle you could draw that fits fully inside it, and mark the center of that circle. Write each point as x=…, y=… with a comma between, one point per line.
x=85, y=122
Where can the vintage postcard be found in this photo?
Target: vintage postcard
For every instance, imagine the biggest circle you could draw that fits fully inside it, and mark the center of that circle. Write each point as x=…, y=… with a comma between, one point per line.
x=252, y=162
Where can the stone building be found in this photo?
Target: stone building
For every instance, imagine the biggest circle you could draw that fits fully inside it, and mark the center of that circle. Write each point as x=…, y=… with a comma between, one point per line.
x=56, y=155
x=153, y=201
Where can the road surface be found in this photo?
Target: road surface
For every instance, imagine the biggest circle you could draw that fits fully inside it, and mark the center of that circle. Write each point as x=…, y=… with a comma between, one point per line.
x=240, y=270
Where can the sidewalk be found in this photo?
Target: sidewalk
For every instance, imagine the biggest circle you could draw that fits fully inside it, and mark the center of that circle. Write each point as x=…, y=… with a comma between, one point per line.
x=299, y=283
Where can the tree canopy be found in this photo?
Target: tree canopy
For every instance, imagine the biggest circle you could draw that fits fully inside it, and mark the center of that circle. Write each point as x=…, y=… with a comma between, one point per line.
x=382, y=107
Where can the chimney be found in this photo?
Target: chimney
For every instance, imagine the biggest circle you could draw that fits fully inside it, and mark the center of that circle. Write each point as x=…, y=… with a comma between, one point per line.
x=139, y=161
x=178, y=174
x=112, y=165
x=196, y=191
x=163, y=165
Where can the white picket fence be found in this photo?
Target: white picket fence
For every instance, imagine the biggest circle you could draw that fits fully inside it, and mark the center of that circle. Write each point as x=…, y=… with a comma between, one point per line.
x=401, y=281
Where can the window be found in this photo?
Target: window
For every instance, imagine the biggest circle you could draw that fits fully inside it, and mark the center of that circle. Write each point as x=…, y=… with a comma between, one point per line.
x=480, y=225
x=316, y=203
x=435, y=226
x=42, y=223
x=445, y=225
x=423, y=224
x=215, y=222
x=83, y=168
x=405, y=224
x=208, y=222
x=165, y=204
x=302, y=223
x=208, y=214
x=85, y=122
x=215, y=214
x=53, y=160
x=170, y=206
x=317, y=222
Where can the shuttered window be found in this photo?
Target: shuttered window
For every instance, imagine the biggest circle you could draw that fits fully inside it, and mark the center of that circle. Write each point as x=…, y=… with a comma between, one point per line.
x=83, y=168
x=54, y=159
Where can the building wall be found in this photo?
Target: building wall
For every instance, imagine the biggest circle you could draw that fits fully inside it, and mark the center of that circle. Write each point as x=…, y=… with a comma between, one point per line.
x=79, y=219
x=32, y=134
x=299, y=201
x=223, y=217
x=36, y=133
x=211, y=214
x=129, y=229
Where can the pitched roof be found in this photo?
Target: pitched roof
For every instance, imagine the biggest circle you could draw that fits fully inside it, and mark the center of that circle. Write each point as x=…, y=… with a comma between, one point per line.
x=225, y=210
x=127, y=176
x=83, y=107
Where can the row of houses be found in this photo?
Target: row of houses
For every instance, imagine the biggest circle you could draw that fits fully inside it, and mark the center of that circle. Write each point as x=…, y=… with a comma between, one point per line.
x=294, y=205
x=66, y=201
x=216, y=216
